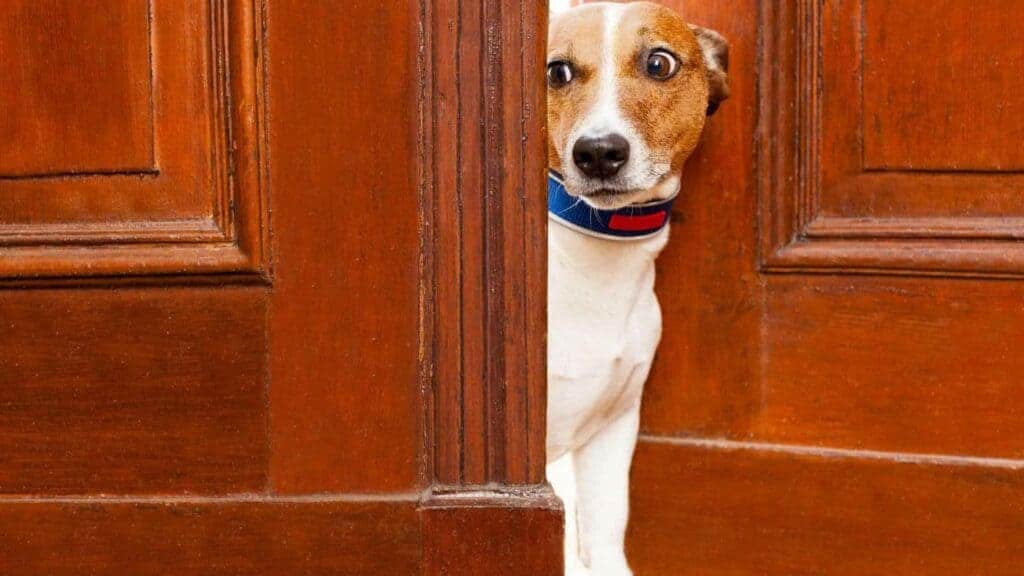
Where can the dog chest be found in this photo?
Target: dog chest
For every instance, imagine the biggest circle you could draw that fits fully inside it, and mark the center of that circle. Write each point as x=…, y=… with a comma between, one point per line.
x=604, y=324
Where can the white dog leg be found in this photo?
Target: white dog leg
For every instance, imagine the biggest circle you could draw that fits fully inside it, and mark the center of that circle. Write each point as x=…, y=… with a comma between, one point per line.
x=602, y=495
x=563, y=481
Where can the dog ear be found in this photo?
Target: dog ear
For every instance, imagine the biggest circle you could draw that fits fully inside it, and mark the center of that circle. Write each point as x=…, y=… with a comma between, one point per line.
x=716, y=58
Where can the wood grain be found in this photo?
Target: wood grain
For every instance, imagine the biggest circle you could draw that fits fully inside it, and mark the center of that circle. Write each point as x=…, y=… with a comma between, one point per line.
x=209, y=536
x=485, y=225
x=848, y=184
x=345, y=401
x=48, y=98
x=926, y=361
x=180, y=189
x=930, y=101
x=700, y=510
x=132, y=391
x=482, y=169
x=499, y=533
x=173, y=401
x=849, y=421
x=949, y=382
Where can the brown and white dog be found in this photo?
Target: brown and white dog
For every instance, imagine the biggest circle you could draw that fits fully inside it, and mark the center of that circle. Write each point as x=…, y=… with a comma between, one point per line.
x=629, y=89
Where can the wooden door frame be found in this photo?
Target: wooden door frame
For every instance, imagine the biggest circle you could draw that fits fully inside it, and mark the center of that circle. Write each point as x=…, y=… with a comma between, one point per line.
x=483, y=324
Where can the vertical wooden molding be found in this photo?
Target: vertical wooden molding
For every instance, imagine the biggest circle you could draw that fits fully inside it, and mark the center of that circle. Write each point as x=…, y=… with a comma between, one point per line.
x=484, y=314
x=484, y=219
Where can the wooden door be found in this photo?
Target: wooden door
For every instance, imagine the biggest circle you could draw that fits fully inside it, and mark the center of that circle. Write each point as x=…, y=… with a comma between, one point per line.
x=229, y=337
x=840, y=388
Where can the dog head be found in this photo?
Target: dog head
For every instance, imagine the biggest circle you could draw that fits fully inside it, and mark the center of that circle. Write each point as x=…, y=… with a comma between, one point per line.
x=629, y=89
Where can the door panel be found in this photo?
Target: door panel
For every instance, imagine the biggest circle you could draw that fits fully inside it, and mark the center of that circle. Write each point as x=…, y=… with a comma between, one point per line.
x=132, y=391
x=936, y=97
x=130, y=139
x=344, y=333
x=856, y=188
x=897, y=365
x=838, y=386
x=77, y=64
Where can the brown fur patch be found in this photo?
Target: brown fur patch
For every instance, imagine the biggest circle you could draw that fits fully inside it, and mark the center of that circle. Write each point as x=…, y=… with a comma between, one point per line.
x=716, y=56
x=669, y=115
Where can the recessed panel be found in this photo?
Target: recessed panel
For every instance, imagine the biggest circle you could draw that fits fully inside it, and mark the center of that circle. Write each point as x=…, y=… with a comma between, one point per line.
x=902, y=151
x=945, y=96
x=75, y=87
x=117, y=137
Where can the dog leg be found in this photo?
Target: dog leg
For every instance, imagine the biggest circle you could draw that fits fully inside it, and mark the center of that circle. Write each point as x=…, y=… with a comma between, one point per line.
x=563, y=481
x=602, y=495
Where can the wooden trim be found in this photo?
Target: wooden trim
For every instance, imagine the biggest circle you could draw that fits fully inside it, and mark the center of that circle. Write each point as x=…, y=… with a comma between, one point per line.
x=749, y=508
x=484, y=224
x=484, y=316
x=511, y=533
x=239, y=534
x=973, y=228
x=981, y=259
x=516, y=533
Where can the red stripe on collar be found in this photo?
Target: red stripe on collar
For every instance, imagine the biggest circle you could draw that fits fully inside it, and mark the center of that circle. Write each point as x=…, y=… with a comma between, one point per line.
x=630, y=223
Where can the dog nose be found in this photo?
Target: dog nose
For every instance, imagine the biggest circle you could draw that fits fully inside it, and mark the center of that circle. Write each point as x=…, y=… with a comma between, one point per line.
x=601, y=157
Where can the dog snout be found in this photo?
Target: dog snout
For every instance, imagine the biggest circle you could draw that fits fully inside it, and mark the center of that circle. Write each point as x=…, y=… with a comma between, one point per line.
x=601, y=157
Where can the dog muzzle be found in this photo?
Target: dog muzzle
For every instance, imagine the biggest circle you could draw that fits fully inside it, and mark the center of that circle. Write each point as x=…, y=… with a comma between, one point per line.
x=633, y=222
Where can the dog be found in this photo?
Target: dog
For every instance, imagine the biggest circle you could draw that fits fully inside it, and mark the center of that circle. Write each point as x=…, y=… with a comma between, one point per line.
x=630, y=87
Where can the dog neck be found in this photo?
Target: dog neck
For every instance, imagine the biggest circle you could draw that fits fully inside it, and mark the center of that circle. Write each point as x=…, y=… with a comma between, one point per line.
x=627, y=224
x=604, y=258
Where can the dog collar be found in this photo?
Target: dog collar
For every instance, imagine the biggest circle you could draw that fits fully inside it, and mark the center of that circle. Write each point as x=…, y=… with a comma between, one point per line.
x=633, y=222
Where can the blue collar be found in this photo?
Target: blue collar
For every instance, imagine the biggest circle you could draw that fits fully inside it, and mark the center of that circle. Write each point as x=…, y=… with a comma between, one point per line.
x=633, y=222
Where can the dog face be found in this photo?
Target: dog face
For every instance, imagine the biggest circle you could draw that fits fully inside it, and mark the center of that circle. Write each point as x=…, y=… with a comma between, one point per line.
x=629, y=89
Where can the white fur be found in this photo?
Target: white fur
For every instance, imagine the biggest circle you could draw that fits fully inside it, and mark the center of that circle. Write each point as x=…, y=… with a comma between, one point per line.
x=604, y=324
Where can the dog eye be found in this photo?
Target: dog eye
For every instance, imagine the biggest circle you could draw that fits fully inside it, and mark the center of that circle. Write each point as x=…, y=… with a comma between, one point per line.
x=661, y=65
x=559, y=74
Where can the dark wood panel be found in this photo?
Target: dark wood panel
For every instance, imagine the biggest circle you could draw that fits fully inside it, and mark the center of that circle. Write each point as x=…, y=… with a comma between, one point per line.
x=713, y=511
x=132, y=391
x=188, y=537
x=345, y=401
x=892, y=404
x=197, y=205
x=901, y=128
x=707, y=282
x=923, y=366
x=824, y=206
x=52, y=52
x=894, y=365
x=931, y=100
x=497, y=534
